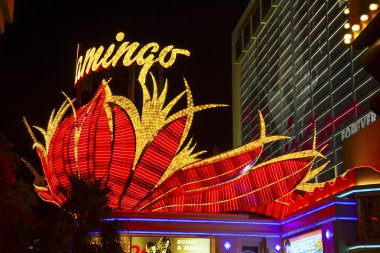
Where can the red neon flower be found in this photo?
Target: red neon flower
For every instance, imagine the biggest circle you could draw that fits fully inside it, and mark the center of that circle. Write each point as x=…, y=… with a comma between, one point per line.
x=143, y=159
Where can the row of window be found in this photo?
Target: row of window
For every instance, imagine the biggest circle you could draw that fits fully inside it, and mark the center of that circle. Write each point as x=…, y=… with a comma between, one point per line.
x=298, y=71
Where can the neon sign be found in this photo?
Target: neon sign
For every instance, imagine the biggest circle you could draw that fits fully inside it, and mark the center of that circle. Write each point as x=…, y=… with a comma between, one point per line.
x=145, y=156
x=96, y=59
x=144, y=159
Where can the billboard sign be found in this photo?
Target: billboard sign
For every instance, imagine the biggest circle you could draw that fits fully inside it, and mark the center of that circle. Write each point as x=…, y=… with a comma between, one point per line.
x=310, y=242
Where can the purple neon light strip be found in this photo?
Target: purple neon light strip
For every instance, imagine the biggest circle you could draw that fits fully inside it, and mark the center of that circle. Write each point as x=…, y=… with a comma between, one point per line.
x=358, y=191
x=191, y=233
x=234, y=234
x=234, y=222
x=273, y=223
x=365, y=246
x=318, y=209
x=319, y=224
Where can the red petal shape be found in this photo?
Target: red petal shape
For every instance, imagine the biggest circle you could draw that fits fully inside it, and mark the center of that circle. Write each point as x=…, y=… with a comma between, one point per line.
x=275, y=209
x=57, y=171
x=257, y=187
x=153, y=163
x=88, y=121
x=124, y=147
x=203, y=175
x=67, y=153
x=103, y=149
x=61, y=154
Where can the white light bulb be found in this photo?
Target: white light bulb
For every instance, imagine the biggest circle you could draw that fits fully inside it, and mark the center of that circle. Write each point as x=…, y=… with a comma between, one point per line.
x=348, y=36
x=364, y=17
x=355, y=28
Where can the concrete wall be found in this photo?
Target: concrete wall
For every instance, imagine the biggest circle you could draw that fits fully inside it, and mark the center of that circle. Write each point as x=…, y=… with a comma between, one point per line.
x=363, y=147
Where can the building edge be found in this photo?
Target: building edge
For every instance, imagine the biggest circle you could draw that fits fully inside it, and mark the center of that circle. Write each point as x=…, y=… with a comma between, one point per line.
x=236, y=108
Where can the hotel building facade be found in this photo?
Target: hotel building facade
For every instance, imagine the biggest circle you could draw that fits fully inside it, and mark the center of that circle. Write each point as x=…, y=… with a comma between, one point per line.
x=290, y=62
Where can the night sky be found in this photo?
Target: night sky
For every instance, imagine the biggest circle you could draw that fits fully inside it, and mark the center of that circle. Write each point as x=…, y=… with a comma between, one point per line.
x=37, y=57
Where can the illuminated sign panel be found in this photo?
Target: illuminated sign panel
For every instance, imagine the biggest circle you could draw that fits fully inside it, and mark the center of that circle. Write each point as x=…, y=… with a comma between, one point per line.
x=170, y=245
x=145, y=56
x=307, y=243
x=359, y=124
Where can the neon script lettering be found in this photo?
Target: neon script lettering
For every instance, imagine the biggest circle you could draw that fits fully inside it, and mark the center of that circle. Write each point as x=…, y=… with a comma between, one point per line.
x=98, y=58
x=329, y=125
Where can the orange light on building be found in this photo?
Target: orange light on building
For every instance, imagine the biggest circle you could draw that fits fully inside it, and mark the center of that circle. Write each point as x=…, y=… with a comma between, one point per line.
x=364, y=21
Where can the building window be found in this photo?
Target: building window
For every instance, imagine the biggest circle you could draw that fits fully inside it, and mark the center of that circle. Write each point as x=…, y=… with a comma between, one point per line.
x=265, y=7
x=238, y=48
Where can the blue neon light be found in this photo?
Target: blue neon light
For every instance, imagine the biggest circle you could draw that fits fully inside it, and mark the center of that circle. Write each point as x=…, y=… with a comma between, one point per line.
x=357, y=191
x=233, y=234
x=274, y=223
x=328, y=234
x=368, y=246
x=191, y=233
x=227, y=245
x=319, y=224
x=317, y=209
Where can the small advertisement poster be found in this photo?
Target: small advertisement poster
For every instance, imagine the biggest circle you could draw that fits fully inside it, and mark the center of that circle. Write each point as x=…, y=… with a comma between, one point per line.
x=306, y=243
x=169, y=244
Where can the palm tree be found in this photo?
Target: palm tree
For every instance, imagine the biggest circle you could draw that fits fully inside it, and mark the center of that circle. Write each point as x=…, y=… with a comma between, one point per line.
x=70, y=228
x=16, y=200
x=86, y=205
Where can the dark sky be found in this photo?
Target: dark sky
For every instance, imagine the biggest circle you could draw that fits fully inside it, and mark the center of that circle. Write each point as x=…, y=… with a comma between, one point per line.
x=37, y=56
